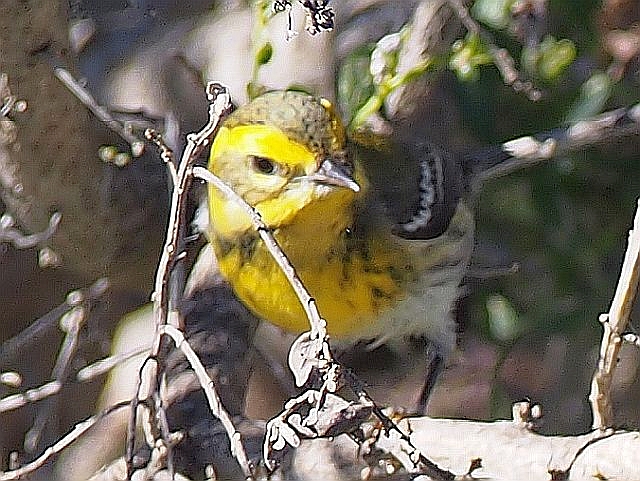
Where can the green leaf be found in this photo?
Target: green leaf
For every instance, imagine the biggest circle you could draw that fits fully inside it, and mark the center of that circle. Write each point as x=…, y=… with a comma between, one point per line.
x=554, y=56
x=594, y=94
x=467, y=56
x=264, y=55
x=255, y=89
x=503, y=319
x=355, y=83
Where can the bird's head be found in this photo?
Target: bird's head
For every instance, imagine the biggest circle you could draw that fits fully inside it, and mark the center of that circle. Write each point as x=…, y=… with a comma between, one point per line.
x=282, y=152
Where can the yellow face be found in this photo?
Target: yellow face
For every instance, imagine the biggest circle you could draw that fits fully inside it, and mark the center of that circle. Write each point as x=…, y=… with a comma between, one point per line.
x=273, y=173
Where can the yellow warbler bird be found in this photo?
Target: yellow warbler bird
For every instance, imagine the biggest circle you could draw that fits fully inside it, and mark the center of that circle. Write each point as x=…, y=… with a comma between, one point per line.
x=379, y=239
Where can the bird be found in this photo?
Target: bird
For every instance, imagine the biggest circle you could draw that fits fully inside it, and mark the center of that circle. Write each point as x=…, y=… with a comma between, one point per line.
x=379, y=235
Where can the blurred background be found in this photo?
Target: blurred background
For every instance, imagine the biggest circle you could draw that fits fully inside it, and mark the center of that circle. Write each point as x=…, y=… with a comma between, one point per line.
x=550, y=239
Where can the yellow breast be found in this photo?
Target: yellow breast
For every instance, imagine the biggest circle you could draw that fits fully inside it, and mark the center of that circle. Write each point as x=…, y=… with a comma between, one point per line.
x=353, y=280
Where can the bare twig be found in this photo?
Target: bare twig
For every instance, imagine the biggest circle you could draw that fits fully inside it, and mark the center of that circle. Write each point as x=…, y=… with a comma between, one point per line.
x=163, y=441
x=311, y=349
x=164, y=312
x=313, y=414
x=15, y=401
x=220, y=106
x=70, y=316
x=70, y=323
x=501, y=57
x=8, y=233
x=61, y=444
x=416, y=462
x=526, y=151
x=39, y=328
x=124, y=130
x=215, y=404
x=166, y=154
x=318, y=324
x=614, y=324
x=103, y=366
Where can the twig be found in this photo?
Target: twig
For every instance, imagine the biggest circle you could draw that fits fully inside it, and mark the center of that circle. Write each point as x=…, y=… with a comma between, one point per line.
x=158, y=459
x=501, y=57
x=526, y=151
x=313, y=414
x=318, y=324
x=163, y=442
x=311, y=349
x=39, y=328
x=220, y=106
x=614, y=324
x=70, y=322
x=61, y=444
x=15, y=401
x=21, y=241
x=102, y=113
x=70, y=315
x=166, y=154
x=417, y=462
x=215, y=404
x=104, y=365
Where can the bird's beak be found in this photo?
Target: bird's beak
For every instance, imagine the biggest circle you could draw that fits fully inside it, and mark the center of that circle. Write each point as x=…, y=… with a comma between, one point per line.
x=333, y=174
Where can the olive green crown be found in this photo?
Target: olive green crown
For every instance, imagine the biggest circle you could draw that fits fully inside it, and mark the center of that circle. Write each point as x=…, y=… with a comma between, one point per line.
x=304, y=118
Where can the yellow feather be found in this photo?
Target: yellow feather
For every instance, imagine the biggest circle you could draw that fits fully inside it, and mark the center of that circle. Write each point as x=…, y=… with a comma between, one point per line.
x=310, y=221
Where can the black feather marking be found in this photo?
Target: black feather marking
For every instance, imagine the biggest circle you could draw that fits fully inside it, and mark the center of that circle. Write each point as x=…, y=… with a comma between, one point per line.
x=440, y=185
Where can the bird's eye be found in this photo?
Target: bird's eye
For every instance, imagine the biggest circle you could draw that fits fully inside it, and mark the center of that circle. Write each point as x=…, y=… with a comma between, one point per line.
x=263, y=165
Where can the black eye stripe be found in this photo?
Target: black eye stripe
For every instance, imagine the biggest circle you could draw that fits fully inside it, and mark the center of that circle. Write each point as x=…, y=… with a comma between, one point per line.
x=263, y=165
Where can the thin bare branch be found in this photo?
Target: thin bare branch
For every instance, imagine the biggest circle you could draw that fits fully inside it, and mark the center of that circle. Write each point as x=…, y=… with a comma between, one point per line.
x=164, y=312
x=614, y=324
x=71, y=323
x=103, y=366
x=166, y=154
x=39, y=328
x=15, y=401
x=215, y=404
x=318, y=324
x=219, y=107
x=122, y=129
x=501, y=56
x=8, y=233
x=61, y=444
x=530, y=150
